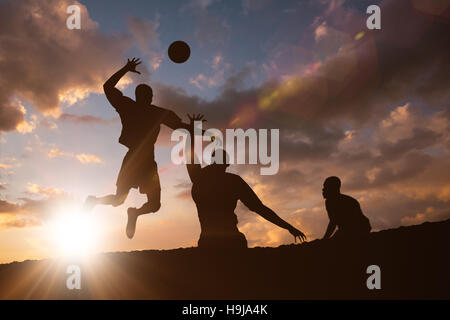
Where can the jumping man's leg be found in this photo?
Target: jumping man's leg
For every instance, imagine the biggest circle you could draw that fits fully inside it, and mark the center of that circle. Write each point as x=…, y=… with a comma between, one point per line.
x=152, y=205
x=151, y=186
x=112, y=199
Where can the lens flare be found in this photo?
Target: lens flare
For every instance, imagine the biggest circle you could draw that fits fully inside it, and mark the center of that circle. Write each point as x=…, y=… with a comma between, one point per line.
x=75, y=233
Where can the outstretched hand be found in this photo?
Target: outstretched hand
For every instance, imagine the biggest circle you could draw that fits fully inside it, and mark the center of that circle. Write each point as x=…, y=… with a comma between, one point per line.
x=197, y=117
x=194, y=117
x=297, y=233
x=131, y=65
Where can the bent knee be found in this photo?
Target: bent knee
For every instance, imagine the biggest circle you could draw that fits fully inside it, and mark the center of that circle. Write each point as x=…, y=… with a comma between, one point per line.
x=155, y=206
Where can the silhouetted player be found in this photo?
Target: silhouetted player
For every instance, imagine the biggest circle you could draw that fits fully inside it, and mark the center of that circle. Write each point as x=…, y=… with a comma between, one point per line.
x=344, y=212
x=140, y=128
x=215, y=193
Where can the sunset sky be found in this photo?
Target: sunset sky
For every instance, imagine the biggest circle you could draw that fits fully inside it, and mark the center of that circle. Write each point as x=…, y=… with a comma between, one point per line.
x=370, y=106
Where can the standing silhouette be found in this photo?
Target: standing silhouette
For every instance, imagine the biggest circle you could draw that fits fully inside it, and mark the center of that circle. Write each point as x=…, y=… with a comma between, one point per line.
x=141, y=122
x=216, y=192
x=344, y=212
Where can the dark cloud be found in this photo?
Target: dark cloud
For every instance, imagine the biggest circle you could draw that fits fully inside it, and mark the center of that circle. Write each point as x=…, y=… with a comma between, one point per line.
x=11, y=114
x=8, y=207
x=40, y=205
x=420, y=139
x=45, y=63
x=14, y=216
x=356, y=85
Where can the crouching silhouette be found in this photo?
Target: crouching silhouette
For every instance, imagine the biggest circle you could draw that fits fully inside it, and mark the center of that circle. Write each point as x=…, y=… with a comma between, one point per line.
x=344, y=213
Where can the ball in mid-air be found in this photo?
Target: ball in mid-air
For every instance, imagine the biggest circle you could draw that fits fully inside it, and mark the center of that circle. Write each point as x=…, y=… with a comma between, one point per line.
x=179, y=51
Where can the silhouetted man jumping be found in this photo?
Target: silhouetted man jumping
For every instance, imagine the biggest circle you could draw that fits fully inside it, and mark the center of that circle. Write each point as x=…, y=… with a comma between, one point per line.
x=141, y=122
x=215, y=193
x=344, y=212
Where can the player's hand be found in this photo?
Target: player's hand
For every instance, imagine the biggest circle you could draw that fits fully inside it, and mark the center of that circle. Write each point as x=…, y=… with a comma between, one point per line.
x=198, y=117
x=297, y=233
x=131, y=65
x=195, y=117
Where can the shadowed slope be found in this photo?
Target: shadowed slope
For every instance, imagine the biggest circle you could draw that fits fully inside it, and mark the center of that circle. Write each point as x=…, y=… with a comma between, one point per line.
x=414, y=263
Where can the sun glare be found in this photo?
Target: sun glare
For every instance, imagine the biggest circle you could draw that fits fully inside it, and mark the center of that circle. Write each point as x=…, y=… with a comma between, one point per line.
x=75, y=233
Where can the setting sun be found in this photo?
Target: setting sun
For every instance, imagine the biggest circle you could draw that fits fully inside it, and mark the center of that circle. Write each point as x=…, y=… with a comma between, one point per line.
x=74, y=233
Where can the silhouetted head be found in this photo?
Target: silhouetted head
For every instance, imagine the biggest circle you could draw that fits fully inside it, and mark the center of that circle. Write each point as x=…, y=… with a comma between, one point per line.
x=220, y=160
x=144, y=94
x=331, y=187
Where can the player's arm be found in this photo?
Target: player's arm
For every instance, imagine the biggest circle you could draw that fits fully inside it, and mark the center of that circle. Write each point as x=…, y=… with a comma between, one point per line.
x=174, y=122
x=112, y=93
x=192, y=164
x=331, y=225
x=251, y=200
x=179, y=125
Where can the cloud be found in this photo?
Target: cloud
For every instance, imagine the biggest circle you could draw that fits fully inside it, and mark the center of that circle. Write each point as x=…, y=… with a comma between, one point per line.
x=217, y=74
x=370, y=72
x=85, y=119
x=321, y=31
x=198, y=80
x=13, y=216
x=11, y=115
x=145, y=32
x=46, y=64
x=7, y=163
x=88, y=158
x=8, y=207
x=430, y=214
x=372, y=109
x=363, y=112
x=35, y=189
x=84, y=158
x=200, y=4
x=210, y=29
x=249, y=6
x=55, y=152
x=42, y=204
x=26, y=126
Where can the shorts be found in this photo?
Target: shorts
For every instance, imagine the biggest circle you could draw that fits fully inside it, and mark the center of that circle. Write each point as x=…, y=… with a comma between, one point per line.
x=139, y=170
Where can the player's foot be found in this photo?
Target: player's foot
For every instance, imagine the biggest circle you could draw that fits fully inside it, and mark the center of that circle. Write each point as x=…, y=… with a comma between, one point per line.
x=89, y=204
x=131, y=224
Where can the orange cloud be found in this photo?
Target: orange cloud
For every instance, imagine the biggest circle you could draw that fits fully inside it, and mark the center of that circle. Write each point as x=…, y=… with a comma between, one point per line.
x=29, y=212
x=36, y=189
x=88, y=158
x=84, y=158
x=81, y=59
x=55, y=152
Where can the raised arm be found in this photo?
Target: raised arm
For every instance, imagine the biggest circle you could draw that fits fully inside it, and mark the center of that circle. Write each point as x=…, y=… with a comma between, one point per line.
x=251, y=200
x=112, y=93
x=193, y=168
x=174, y=122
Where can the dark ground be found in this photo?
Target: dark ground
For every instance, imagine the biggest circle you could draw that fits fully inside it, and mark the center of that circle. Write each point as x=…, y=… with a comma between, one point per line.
x=414, y=262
